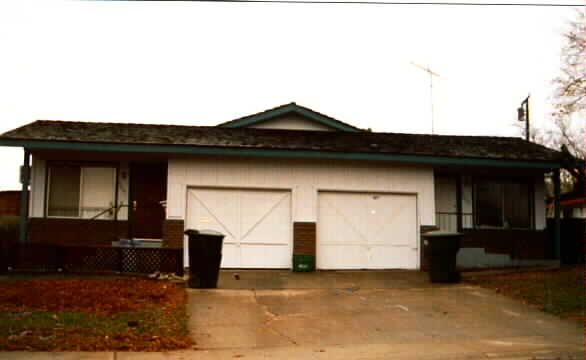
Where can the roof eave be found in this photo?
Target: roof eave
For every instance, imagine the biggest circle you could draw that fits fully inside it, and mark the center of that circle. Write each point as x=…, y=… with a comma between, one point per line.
x=278, y=153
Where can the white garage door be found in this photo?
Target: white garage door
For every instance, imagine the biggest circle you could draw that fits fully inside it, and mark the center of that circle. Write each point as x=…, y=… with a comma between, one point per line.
x=257, y=224
x=367, y=231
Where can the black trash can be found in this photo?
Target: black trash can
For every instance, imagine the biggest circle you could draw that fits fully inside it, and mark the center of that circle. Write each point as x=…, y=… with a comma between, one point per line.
x=441, y=248
x=205, y=256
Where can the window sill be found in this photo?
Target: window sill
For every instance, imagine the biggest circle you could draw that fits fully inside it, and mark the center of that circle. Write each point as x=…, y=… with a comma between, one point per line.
x=497, y=228
x=77, y=218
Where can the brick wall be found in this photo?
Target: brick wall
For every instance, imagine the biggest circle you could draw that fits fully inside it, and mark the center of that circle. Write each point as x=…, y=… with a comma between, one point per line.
x=304, y=238
x=173, y=233
x=9, y=203
x=518, y=244
x=76, y=231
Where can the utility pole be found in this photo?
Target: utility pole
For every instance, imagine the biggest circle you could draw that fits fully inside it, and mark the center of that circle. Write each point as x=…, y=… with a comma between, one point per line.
x=431, y=75
x=523, y=115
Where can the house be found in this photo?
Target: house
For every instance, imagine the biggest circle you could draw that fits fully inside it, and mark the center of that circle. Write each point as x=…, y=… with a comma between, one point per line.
x=287, y=181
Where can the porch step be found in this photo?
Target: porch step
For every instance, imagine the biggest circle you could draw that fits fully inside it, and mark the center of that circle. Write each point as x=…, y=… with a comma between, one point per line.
x=146, y=239
x=138, y=242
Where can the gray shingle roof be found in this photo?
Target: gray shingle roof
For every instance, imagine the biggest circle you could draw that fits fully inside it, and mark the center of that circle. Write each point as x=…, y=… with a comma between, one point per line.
x=501, y=148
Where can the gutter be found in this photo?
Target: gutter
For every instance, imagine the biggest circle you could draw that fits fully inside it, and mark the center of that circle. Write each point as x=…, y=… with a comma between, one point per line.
x=290, y=154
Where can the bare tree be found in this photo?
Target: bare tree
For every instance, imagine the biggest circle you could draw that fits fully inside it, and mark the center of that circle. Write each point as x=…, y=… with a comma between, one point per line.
x=570, y=84
x=568, y=132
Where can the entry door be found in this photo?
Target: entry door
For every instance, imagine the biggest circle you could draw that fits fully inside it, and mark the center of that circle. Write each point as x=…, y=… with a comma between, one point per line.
x=256, y=224
x=148, y=187
x=367, y=231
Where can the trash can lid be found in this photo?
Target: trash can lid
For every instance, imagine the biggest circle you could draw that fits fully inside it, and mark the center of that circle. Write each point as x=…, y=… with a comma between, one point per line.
x=209, y=232
x=191, y=232
x=441, y=234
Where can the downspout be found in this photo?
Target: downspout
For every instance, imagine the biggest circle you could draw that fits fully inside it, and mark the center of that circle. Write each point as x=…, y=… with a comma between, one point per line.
x=24, y=179
x=556, y=223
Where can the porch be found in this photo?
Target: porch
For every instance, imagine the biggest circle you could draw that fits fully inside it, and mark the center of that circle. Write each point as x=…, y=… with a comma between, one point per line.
x=501, y=216
x=96, y=199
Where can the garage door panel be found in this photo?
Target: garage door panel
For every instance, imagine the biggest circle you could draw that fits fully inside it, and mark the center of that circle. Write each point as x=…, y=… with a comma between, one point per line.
x=395, y=225
x=262, y=209
x=230, y=255
x=378, y=217
x=269, y=227
x=211, y=212
x=256, y=224
x=268, y=256
x=342, y=257
x=342, y=228
x=400, y=257
x=403, y=223
x=379, y=231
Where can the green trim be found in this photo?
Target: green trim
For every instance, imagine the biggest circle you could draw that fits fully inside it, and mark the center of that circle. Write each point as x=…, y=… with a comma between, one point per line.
x=291, y=154
x=288, y=109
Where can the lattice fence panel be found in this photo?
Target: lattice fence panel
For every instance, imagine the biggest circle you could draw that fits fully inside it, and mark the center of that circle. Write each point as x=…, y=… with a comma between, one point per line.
x=40, y=257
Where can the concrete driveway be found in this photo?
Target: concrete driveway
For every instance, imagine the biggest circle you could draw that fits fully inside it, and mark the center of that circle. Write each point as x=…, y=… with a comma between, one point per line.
x=373, y=315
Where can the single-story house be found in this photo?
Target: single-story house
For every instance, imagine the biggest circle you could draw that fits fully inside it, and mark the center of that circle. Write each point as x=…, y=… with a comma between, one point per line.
x=287, y=181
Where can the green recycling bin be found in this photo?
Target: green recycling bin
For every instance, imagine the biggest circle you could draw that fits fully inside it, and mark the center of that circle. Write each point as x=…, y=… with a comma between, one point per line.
x=303, y=263
x=442, y=249
x=205, y=256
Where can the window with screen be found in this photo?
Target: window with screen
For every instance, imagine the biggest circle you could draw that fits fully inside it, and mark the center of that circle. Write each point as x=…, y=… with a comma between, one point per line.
x=81, y=191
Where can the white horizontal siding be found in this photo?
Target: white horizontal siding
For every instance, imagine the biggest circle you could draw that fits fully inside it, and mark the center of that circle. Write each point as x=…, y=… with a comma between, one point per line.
x=123, y=187
x=540, y=222
x=303, y=178
x=37, y=194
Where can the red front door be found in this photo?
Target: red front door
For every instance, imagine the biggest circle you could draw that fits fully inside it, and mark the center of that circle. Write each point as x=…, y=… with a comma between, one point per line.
x=148, y=187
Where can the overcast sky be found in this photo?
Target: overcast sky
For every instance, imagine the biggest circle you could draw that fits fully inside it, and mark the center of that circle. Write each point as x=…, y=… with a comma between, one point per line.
x=205, y=63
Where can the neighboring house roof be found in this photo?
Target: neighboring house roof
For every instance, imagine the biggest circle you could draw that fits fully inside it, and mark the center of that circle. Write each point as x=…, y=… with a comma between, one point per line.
x=414, y=148
x=291, y=108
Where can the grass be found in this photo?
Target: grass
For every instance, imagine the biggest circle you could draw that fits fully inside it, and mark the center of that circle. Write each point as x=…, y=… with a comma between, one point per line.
x=149, y=321
x=92, y=314
x=558, y=292
x=148, y=330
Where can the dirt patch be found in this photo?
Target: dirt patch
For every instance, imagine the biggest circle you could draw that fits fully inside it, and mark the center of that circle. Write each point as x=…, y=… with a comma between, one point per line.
x=82, y=295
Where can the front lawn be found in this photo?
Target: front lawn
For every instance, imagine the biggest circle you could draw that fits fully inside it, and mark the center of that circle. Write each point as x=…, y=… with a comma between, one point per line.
x=559, y=292
x=92, y=314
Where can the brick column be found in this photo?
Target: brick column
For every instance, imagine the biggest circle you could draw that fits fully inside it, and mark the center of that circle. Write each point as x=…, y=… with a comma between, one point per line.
x=304, y=238
x=173, y=233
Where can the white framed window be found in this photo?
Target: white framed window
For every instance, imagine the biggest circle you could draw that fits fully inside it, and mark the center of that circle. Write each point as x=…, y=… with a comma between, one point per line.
x=85, y=192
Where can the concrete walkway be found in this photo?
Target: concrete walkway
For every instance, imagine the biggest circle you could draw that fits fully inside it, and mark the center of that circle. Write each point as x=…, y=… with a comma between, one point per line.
x=358, y=315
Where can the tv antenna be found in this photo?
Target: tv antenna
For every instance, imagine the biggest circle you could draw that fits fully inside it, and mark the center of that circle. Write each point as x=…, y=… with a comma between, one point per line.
x=431, y=75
